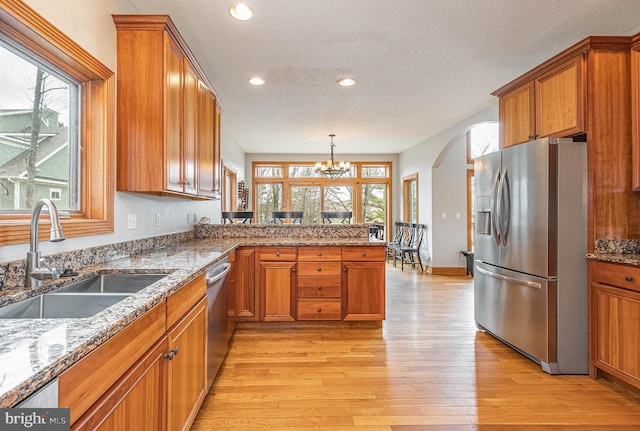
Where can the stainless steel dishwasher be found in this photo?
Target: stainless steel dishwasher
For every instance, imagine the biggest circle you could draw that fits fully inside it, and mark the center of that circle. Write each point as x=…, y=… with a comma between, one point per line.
x=217, y=328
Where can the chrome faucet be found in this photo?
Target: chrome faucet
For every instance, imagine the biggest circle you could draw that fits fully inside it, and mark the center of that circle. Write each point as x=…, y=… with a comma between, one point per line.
x=37, y=268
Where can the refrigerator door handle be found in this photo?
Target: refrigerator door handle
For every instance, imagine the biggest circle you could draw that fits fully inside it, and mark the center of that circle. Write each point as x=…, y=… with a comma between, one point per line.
x=494, y=207
x=504, y=190
x=532, y=284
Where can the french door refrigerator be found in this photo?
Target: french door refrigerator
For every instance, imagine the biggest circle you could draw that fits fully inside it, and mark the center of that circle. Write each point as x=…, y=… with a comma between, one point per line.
x=530, y=279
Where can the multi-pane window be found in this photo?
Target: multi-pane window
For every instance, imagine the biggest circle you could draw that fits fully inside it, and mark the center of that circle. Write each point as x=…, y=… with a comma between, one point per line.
x=39, y=131
x=297, y=186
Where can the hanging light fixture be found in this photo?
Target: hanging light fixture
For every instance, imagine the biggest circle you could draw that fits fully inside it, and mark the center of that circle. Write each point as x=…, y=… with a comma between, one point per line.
x=331, y=169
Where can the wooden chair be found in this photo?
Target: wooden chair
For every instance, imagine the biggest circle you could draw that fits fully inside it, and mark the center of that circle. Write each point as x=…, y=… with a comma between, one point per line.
x=409, y=249
x=294, y=216
x=239, y=216
x=343, y=216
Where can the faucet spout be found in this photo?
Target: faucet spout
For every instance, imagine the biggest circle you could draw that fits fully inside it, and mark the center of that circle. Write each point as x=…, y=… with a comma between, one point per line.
x=37, y=268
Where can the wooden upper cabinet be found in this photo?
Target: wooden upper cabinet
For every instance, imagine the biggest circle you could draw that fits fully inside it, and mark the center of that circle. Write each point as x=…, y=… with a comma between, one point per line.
x=190, y=126
x=517, y=123
x=206, y=142
x=161, y=119
x=173, y=92
x=551, y=104
x=559, y=100
x=635, y=113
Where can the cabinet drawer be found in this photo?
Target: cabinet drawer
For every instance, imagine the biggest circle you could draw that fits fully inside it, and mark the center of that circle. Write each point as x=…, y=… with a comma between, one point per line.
x=363, y=253
x=627, y=277
x=306, y=254
x=319, y=309
x=183, y=299
x=319, y=268
x=314, y=287
x=278, y=253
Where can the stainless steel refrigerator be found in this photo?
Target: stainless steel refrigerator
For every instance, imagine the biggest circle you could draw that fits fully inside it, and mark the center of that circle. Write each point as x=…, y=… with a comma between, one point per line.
x=530, y=279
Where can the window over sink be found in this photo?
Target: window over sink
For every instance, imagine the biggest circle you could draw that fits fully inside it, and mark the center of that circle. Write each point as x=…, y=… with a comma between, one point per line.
x=83, y=168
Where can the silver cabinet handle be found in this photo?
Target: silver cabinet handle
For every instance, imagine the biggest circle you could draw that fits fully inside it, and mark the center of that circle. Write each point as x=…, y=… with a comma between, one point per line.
x=532, y=284
x=278, y=253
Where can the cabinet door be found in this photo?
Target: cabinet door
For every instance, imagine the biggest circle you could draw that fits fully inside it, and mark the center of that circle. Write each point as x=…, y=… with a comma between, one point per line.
x=559, y=101
x=363, y=294
x=173, y=91
x=277, y=290
x=246, y=283
x=517, y=123
x=190, y=128
x=635, y=117
x=206, y=130
x=186, y=388
x=137, y=401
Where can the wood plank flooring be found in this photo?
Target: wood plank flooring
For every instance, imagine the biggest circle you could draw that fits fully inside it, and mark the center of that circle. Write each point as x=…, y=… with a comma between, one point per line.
x=427, y=368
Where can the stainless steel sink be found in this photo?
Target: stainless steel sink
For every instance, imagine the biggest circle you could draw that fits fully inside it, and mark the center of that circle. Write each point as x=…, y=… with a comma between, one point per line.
x=60, y=305
x=112, y=283
x=81, y=299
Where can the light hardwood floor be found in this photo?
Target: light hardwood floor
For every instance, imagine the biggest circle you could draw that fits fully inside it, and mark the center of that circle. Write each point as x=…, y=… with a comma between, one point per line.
x=426, y=369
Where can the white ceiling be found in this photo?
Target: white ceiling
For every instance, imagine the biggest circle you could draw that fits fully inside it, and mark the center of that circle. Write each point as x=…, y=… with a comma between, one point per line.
x=420, y=65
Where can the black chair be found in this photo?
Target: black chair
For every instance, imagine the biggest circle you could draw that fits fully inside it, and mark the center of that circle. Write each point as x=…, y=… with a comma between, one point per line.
x=294, y=216
x=239, y=216
x=398, y=235
x=329, y=216
x=409, y=248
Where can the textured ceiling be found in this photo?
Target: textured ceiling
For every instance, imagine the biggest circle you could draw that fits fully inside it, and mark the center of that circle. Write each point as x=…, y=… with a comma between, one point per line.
x=420, y=65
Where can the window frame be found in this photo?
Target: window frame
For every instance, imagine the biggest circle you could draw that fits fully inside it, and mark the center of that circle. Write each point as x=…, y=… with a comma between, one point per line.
x=27, y=28
x=355, y=181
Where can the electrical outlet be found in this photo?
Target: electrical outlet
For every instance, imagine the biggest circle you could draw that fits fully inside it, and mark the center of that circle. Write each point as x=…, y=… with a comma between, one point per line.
x=458, y=216
x=188, y=218
x=131, y=221
x=444, y=214
x=157, y=219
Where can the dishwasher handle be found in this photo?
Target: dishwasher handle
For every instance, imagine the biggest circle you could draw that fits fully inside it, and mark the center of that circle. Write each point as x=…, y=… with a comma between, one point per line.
x=213, y=277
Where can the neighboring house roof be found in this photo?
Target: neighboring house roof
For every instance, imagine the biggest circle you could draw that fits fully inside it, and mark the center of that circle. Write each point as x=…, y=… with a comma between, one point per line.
x=58, y=138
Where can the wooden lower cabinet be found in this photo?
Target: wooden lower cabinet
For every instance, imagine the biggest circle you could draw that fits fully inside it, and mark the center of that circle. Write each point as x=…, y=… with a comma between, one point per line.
x=137, y=401
x=277, y=284
x=146, y=377
x=363, y=283
x=319, y=283
x=187, y=379
x=614, y=321
x=245, y=280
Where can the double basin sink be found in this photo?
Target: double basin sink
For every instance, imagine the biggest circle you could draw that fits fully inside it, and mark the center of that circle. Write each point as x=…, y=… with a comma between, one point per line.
x=84, y=298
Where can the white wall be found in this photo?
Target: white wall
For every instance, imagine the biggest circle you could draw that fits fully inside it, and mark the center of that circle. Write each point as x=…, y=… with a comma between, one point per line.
x=90, y=24
x=437, y=161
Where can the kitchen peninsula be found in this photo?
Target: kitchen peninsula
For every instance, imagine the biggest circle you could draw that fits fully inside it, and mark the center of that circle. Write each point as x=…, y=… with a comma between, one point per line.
x=329, y=273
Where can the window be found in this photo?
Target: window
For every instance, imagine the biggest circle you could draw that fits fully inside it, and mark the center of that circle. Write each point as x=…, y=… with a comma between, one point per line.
x=410, y=198
x=56, y=195
x=38, y=131
x=76, y=89
x=230, y=187
x=482, y=139
x=296, y=186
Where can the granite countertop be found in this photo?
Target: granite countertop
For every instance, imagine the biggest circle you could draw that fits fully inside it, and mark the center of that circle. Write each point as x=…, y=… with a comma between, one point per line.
x=35, y=351
x=625, y=252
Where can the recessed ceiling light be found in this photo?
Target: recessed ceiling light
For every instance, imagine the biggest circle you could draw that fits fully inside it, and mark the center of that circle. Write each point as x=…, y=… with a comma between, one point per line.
x=241, y=12
x=346, y=82
x=256, y=81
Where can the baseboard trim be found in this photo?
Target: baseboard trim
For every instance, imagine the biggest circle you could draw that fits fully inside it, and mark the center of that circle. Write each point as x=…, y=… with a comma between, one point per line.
x=447, y=270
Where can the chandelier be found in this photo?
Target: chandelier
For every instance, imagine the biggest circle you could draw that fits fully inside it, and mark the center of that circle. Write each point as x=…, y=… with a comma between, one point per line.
x=331, y=169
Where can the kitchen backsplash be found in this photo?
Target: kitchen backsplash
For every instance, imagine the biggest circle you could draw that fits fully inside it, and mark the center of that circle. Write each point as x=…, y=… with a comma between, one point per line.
x=203, y=231
x=627, y=246
x=12, y=273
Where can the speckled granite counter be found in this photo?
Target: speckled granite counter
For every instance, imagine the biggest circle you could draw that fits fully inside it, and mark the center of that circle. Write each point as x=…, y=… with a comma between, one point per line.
x=34, y=351
x=626, y=252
